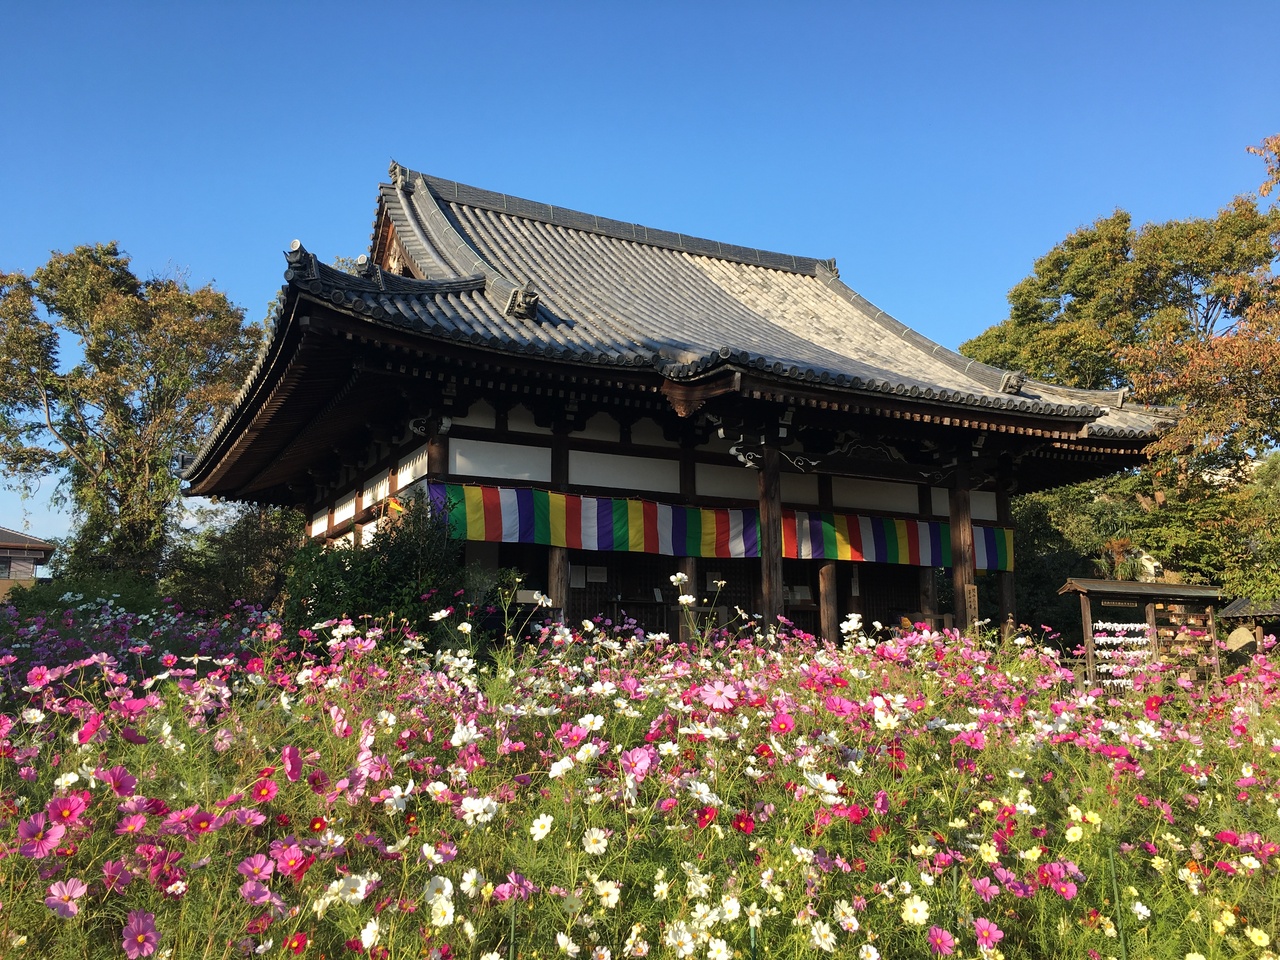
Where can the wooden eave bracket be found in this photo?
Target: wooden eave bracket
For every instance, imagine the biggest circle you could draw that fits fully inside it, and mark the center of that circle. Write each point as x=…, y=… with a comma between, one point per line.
x=687, y=399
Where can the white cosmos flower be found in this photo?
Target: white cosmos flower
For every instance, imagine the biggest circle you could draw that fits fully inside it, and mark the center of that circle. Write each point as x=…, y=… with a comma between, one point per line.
x=442, y=912
x=595, y=841
x=370, y=933
x=821, y=936
x=438, y=887
x=541, y=826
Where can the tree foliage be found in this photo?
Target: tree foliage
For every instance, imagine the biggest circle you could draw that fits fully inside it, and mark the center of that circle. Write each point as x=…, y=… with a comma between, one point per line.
x=409, y=568
x=239, y=552
x=1112, y=304
x=104, y=378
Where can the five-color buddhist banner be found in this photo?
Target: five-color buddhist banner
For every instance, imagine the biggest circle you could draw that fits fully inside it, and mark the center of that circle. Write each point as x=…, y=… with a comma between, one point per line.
x=524, y=515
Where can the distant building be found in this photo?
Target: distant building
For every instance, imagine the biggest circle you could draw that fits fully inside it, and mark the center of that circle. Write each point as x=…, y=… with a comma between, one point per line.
x=601, y=403
x=19, y=557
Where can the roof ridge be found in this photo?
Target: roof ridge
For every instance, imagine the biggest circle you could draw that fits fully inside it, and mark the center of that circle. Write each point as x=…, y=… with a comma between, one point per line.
x=452, y=190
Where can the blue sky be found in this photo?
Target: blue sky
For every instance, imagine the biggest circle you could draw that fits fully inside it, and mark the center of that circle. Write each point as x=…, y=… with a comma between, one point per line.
x=934, y=149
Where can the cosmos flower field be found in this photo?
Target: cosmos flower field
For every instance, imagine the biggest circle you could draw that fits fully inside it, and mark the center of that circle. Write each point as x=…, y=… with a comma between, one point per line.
x=221, y=788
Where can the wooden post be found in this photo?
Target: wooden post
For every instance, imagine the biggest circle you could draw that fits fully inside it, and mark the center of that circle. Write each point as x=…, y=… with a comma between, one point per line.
x=689, y=567
x=1152, y=630
x=558, y=579
x=928, y=582
x=828, y=579
x=771, y=535
x=1005, y=578
x=1211, y=621
x=963, y=571
x=829, y=600
x=1086, y=620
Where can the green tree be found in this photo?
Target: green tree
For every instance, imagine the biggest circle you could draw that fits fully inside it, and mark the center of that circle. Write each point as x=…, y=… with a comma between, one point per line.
x=104, y=379
x=238, y=552
x=1110, y=299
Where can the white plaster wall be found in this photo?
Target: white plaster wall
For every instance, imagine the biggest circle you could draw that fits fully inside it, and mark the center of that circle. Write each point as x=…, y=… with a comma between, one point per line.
x=982, y=503
x=502, y=461
x=848, y=492
x=320, y=523
x=376, y=490
x=412, y=467
x=600, y=427
x=733, y=483
x=799, y=488
x=649, y=433
x=345, y=510
x=520, y=420
x=480, y=415
x=623, y=473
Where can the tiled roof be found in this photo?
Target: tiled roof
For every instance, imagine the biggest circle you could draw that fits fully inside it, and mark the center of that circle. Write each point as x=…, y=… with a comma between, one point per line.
x=619, y=293
x=12, y=539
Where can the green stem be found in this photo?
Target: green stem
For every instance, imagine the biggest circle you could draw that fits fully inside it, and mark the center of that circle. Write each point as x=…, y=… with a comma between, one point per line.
x=1115, y=891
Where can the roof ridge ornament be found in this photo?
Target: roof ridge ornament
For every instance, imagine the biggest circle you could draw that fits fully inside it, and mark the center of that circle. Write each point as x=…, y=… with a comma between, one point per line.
x=1012, y=380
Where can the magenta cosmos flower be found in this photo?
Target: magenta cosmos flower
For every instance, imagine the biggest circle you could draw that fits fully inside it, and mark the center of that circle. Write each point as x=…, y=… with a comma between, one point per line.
x=140, y=936
x=941, y=941
x=41, y=837
x=63, y=895
x=986, y=933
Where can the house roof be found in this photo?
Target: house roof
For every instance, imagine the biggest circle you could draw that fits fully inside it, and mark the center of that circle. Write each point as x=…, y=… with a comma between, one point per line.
x=1136, y=588
x=13, y=540
x=615, y=292
x=1243, y=607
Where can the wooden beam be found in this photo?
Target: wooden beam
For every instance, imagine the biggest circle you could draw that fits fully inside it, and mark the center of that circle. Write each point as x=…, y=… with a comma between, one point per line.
x=771, y=588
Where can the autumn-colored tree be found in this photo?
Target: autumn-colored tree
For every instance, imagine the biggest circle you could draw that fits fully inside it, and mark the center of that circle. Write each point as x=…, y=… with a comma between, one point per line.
x=104, y=379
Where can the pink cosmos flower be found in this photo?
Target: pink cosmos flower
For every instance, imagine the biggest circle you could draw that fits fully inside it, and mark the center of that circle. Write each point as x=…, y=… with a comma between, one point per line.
x=782, y=723
x=1066, y=888
x=256, y=867
x=718, y=695
x=63, y=895
x=66, y=810
x=984, y=888
x=134, y=823
x=941, y=942
x=41, y=836
x=987, y=933
x=638, y=761
x=119, y=779
x=116, y=875
x=291, y=760
x=140, y=936
x=263, y=791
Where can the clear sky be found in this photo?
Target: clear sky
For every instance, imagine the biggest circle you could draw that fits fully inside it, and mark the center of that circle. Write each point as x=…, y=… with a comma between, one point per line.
x=934, y=149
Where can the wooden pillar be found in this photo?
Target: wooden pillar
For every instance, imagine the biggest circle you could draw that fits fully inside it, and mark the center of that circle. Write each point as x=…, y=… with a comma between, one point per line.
x=963, y=571
x=1005, y=578
x=828, y=580
x=558, y=557
x=1086, y=625
x=928, y=583
x=771, y=588
x=1152, y=630
x=829, y=600
x=689, y=567
x=438, y=455
x=558, y=578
